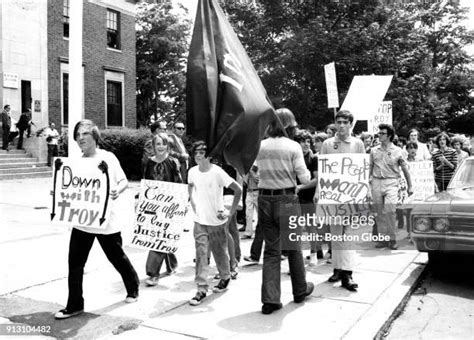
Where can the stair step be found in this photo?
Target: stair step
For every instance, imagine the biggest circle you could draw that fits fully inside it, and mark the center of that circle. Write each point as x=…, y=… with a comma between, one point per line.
x=17, y=160
x=24, y=170
x=25, y=175
x=12, y=151
x=29, y=164
x=13, y=155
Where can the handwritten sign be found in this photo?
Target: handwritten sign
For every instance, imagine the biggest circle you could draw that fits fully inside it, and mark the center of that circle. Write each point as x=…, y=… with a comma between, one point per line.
x=422, y=179
x=81, y=190
x=331, y=85
x=384, y=115
x=162, y=214
x=343, y=184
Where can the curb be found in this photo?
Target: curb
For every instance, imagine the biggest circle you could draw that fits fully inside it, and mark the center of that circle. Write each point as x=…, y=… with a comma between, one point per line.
x=375, y=322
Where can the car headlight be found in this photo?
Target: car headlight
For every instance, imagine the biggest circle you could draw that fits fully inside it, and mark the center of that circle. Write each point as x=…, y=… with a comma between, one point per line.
x=422, y=224
x=441, y=224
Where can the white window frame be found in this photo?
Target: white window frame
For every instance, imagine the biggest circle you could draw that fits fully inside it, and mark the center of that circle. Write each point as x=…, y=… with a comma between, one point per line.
x=64, y=68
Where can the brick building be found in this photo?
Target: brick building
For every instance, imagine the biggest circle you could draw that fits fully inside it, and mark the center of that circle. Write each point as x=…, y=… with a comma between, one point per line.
x=34, y=39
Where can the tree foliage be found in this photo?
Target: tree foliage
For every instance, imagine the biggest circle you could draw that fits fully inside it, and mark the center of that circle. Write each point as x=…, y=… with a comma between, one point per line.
x=162, y=42
x=421, y=45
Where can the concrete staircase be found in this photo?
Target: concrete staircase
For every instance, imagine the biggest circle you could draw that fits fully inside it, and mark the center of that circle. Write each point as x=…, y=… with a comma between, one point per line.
x=16, y=164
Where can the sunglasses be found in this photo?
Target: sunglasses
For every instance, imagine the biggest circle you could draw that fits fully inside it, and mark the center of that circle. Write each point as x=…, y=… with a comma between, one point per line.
x=179, y=128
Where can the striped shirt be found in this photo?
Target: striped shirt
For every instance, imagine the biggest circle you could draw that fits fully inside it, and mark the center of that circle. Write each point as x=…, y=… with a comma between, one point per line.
x=280, y=160
x=444, y=172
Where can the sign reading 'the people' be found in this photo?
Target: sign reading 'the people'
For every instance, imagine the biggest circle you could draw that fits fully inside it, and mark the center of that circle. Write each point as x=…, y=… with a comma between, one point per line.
x=343, y=184
x=161, y=215
x=81, y=188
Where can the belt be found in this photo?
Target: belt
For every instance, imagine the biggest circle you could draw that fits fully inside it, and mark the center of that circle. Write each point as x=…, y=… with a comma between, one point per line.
x=275, y=192
x=250, y=190
x=385, y=177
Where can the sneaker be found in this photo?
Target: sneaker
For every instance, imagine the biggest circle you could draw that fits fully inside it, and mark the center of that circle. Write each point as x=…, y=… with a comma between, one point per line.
x=197, y=299
x=313, y=260
x=66, y=314
x=221, y=286
x=131, y=298
x=250, y=259
x=152, y=281
x=233, y=275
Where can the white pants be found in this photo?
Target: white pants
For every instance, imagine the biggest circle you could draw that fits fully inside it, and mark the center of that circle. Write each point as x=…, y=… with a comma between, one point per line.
x=251, y=212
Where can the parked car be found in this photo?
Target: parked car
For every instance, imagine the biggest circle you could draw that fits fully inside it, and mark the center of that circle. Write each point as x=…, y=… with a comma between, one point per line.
x=444, y=222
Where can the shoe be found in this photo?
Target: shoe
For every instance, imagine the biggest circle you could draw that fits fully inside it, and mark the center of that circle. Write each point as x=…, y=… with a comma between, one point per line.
x=242, y=228
x=221, y=286
x=197, y=299
x=348, y=282
x=217, y=276
x=309, y=290
x=284, y=257
x=186, y=230
x=336, y=276
x=381, y=244
x=269, y=308
x=313, y=260
x=152, y=281
x=66, y=314
x=393, y=245
x=233, y=275
x=171, y=272
x=131, y=298
x=246, y=237
x=250, y=259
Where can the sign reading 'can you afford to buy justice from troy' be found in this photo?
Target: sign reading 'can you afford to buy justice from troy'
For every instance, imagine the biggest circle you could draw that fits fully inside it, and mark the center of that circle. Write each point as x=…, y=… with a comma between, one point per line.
x=161, y=215
x=81, y=188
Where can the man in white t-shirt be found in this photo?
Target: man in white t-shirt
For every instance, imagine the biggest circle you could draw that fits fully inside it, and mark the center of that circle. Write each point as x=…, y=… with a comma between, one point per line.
x=87, y=135
x=206, y=182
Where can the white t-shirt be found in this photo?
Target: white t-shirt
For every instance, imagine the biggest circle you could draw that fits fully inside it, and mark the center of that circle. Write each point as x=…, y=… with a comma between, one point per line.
x=119, y=209
x=208, y=193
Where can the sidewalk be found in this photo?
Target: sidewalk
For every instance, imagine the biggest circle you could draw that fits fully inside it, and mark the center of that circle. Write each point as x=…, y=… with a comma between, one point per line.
x=33, y=285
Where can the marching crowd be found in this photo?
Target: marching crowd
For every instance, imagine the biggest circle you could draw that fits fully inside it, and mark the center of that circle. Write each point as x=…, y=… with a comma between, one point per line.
x=282, y=180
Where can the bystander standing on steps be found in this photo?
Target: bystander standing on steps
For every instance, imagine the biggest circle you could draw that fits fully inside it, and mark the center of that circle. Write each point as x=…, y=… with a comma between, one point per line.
x=52, y=137
x=24, y=124
x=6, y=125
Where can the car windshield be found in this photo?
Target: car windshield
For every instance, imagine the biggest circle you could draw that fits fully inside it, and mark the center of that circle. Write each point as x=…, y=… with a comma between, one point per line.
x=464, y=176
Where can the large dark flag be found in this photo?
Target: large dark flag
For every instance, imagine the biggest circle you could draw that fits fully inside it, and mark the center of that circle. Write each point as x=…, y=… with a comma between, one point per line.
x=227, y=105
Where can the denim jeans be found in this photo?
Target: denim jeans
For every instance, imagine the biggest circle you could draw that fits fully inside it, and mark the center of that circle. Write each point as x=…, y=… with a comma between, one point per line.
x=154, y=262
x=257, y=243
x=79, y=248
x=215, y=238
x=270, y=209
x=233, y=240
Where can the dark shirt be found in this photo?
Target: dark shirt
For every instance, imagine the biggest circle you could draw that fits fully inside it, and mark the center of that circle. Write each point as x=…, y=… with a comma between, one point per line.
x=311, y=161
x=167, y=171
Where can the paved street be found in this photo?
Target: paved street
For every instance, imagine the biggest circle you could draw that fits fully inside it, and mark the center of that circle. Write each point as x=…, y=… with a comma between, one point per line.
x=33, y=285
x=442, y=307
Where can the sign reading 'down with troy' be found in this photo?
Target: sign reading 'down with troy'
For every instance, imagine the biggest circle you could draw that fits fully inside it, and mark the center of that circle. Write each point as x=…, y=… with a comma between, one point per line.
x=343, y=184
x=81, y=188
x=422, y=180
x=162, y=214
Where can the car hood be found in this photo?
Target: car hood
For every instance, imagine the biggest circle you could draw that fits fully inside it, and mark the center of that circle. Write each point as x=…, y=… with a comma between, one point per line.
x=459, y=200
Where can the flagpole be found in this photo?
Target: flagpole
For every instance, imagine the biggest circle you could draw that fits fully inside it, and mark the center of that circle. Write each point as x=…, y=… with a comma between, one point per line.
x=76, y=79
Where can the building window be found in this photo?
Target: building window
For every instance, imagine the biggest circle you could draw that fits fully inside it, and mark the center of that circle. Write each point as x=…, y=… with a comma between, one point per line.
x=65, y=98
x=114, y=103
x=113, y=29
x=66, y=18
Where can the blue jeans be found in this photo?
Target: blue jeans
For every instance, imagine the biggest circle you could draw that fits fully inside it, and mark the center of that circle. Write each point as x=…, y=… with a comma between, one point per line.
x=270, y=209
x=215, y=238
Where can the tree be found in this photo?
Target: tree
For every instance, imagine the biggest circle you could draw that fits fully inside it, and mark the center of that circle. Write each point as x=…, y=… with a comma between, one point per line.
x=421, y=45
x=163, y=34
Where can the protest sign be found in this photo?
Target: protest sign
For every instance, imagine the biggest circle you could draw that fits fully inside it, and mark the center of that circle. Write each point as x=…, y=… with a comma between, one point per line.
x=365, y=95
x=422, y=180
x=162, y=214
x=81, y=188
x=343, y=185
x=384, y=115
x=331, y=85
